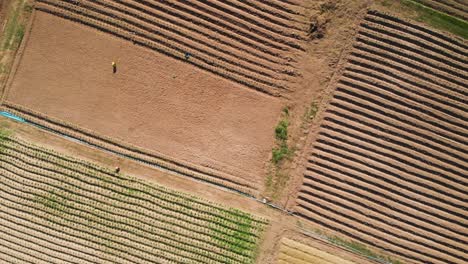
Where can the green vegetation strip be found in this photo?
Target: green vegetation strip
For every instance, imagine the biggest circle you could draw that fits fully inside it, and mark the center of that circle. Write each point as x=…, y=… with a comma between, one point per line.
x=14, y=29
x=121, y=213
x=438, y=19
x=282, y=150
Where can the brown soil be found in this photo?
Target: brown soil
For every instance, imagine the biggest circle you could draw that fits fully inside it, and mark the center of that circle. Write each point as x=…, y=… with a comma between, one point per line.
x=177, y=108
x=152, y=101
x=388, y=161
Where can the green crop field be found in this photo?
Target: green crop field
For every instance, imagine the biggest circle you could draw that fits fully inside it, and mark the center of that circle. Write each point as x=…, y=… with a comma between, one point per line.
x=57, y=209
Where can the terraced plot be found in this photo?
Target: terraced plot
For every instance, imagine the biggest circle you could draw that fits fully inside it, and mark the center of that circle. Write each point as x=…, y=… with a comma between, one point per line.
x=390, y=163
x=56, y=209
x=246, y=42
x=292, y=252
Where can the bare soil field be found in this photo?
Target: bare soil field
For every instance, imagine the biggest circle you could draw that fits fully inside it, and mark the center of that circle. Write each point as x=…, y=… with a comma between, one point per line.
x=389, y=164
x=153, y=101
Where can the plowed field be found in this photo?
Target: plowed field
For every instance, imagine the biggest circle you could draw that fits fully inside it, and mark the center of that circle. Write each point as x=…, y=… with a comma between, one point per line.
x=213, y=122
x=389, y=165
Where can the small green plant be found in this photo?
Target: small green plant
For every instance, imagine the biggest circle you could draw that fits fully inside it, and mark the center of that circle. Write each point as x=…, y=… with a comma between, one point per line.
x=281, y=130
x=281, y=134
x=279, y=153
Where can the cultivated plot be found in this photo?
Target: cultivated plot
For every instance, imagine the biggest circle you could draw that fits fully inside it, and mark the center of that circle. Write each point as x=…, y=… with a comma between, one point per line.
x=56, y=209
x=390, y=163
x=189, y=107
x=293, y=252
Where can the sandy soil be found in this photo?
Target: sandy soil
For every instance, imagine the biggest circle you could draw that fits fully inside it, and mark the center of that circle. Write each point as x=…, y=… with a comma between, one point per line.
x=152, y=101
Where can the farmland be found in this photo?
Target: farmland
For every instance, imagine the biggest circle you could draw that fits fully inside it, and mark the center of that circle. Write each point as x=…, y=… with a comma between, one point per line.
x=293, y=252
x=57, y=209
x=389, y=165
x=126, y=122
x=234, y=131
x=457, y=8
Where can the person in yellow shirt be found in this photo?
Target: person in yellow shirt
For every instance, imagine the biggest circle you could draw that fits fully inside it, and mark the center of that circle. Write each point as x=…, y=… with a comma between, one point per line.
x=114, y=67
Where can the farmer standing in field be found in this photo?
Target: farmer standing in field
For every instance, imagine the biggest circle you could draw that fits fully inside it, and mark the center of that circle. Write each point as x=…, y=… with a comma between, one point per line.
x=114, y=67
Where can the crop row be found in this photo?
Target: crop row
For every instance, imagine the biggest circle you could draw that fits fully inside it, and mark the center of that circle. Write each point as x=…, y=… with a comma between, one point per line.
x=122, y=214
x=156, y=39
x=135, y=227
x=139, y=154
x=84, y=166
x=145, y=239
x=133, y=195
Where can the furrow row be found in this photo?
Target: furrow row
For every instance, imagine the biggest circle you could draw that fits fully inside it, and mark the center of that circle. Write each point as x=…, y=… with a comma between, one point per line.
x=397, y=100
x=405, y=242
x=388, y=139
x=216, y=32
x=172, y=32
x=193, y=219
x=365, y=189
x=378, y=221
x=348, y=101
x=229, y=23
x=331, y=219
x=169, y=41
x=450, y=7
x=420, y=33
x=273, y=15
x=409, y=80
x=391, y=163
x=86, y=168
x=415, y=53
x=391, y=171
x=402, y=64
x=423, y=97
x=238, y=14
x=328, y=159
x=373, y=206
